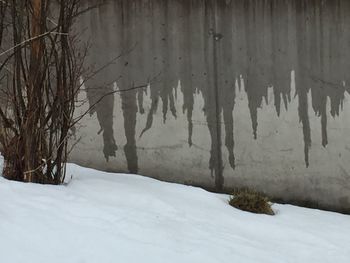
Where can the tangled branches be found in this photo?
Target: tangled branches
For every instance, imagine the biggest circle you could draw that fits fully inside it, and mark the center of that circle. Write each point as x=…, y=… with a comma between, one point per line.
x=39, y=81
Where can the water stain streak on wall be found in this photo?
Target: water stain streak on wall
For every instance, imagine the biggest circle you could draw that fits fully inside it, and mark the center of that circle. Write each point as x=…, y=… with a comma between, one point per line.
x=208, y=48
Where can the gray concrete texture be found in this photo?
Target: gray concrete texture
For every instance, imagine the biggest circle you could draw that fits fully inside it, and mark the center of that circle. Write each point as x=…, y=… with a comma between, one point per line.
x=221, y=94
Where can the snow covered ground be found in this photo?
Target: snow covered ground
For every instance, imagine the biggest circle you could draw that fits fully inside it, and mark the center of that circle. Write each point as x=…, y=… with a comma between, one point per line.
x=101, y=217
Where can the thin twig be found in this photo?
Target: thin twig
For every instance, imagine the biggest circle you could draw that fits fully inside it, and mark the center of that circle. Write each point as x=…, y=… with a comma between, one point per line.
x=30, y=40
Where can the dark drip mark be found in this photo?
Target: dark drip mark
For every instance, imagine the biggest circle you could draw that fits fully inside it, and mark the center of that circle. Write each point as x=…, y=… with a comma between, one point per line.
x=150, y=114
x=254, y=116
x=132, y=76
x=105, y=118
x=97, y=88
x=190, y=127
x=304, y=118
x=324, y=127
x=301, y=76
x=317, y=68
x=168, y=102
x=129, y=108
x=229, y=139
x=165, y=106
x=172, y=105
x=104, y=111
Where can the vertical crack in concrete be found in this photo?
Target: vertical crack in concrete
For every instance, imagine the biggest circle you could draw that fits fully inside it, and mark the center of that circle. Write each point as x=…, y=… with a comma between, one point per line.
x=216, y=37
x=226, y=75
x=186, y=59
x=301, y=76
x=208, y=92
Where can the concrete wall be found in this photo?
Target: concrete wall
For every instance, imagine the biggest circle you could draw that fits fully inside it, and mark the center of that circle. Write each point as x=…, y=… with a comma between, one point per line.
x=221, y=94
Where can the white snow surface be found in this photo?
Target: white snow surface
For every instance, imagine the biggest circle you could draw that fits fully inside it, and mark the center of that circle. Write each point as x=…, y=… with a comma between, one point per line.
x=103, y=217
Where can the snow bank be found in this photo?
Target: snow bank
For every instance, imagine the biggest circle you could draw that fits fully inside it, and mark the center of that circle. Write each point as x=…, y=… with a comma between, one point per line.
x=101, y=217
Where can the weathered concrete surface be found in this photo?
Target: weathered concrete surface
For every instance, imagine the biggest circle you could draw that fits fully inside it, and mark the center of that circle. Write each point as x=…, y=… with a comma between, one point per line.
x=222, y=94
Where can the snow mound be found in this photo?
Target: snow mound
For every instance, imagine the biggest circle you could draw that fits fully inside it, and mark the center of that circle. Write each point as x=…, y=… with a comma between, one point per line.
x=102, y=217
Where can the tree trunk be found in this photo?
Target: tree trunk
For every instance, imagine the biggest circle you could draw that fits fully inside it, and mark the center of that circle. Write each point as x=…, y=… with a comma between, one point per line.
x=30, y=155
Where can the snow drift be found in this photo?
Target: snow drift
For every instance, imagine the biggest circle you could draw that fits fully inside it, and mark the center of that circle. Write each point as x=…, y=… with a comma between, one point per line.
x=102, y=217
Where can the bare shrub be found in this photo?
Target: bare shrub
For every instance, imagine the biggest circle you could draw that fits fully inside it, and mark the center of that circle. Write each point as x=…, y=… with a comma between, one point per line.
x=39, y=73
